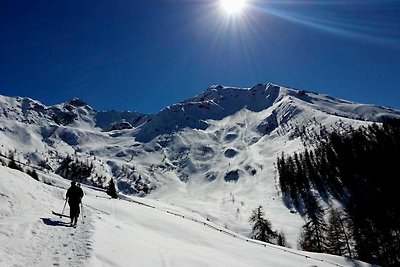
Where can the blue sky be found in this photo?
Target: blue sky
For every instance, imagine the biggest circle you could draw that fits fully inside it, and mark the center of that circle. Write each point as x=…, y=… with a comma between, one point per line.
x=143, y=55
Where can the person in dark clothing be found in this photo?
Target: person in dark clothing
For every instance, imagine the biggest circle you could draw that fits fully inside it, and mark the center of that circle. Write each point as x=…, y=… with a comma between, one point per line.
x=74, y=197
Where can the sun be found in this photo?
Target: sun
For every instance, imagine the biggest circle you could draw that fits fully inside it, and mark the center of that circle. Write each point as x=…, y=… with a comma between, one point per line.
x=233, y=6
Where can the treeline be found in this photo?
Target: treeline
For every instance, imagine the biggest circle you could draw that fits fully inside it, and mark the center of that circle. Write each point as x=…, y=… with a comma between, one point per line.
x=13, y=164
x=81, y=171
x=84, y=172
x=74, y=169
x=359, y=169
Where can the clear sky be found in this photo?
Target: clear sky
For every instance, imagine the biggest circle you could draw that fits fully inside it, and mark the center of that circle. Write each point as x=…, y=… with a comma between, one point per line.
x=143, y=55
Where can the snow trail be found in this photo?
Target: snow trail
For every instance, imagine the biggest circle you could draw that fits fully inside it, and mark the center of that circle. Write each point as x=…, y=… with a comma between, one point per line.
x=30, y=234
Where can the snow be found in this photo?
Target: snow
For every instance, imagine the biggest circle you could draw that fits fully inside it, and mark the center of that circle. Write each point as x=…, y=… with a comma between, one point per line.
x=210, y=158
x=29, y=235
x=123, y=233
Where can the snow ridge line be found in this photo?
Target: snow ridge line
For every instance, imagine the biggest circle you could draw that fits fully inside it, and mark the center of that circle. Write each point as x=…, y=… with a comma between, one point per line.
x=228, y=233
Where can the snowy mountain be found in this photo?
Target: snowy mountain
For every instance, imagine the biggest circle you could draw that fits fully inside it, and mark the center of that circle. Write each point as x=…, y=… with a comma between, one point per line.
x=219, y=102
x=74, y=113
x=213, y=155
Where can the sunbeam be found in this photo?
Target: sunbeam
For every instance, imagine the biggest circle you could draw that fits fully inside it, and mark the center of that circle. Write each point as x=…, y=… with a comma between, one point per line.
x=332, y=17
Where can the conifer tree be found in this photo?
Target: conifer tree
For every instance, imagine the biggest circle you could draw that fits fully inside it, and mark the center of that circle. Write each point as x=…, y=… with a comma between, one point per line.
x=12, y=164
x=262, y=227
x=33, y=174
x=312, y=237
x=111, y=190
x=283, y=175
x=281, y=240
x=337, y=240
x=306, y=241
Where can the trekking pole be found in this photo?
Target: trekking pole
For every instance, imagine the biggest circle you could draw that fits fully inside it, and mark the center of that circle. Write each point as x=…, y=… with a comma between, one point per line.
x=64, y=207
x=82, y=213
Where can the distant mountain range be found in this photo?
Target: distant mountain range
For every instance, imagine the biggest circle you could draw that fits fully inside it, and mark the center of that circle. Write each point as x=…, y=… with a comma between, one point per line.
x=214, y=153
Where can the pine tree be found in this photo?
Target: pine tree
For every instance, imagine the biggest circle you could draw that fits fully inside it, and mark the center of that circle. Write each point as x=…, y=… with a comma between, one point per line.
x=337, y=241
x=283, y=176
x=306, y=241
x=33, y=174
x=262, y=227
x=312, y=237
x=12, y=164
x=111, y=190
x=281, y=240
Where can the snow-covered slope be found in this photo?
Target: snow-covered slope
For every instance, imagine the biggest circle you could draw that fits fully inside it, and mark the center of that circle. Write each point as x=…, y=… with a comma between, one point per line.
x=139, y=232
x=213, y=154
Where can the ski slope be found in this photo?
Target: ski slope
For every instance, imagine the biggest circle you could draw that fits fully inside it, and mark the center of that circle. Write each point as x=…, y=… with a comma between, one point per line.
x=131, y=232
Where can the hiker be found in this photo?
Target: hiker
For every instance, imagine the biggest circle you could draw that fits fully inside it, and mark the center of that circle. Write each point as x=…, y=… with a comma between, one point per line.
x=74, y=196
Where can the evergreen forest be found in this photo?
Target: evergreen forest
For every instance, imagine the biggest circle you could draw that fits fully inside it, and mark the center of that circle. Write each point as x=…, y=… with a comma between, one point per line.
x=356, y=168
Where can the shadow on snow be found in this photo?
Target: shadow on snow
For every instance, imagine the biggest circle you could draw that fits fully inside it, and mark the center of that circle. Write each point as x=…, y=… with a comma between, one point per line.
x=51, y=222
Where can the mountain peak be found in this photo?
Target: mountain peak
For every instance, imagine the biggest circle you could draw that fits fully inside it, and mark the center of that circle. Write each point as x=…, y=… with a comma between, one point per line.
x=76, y=102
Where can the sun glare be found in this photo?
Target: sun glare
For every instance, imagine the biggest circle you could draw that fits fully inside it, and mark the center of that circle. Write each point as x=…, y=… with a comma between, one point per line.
x=233, y=6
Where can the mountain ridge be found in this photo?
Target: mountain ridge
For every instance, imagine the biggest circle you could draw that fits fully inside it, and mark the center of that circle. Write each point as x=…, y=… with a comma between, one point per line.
x=212, y=98
x=210, y=104
x=214, y=153
x=31, y=111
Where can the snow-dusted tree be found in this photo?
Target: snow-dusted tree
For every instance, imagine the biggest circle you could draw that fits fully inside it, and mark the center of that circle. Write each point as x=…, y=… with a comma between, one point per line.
x=262, y=227
x=111, y=190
